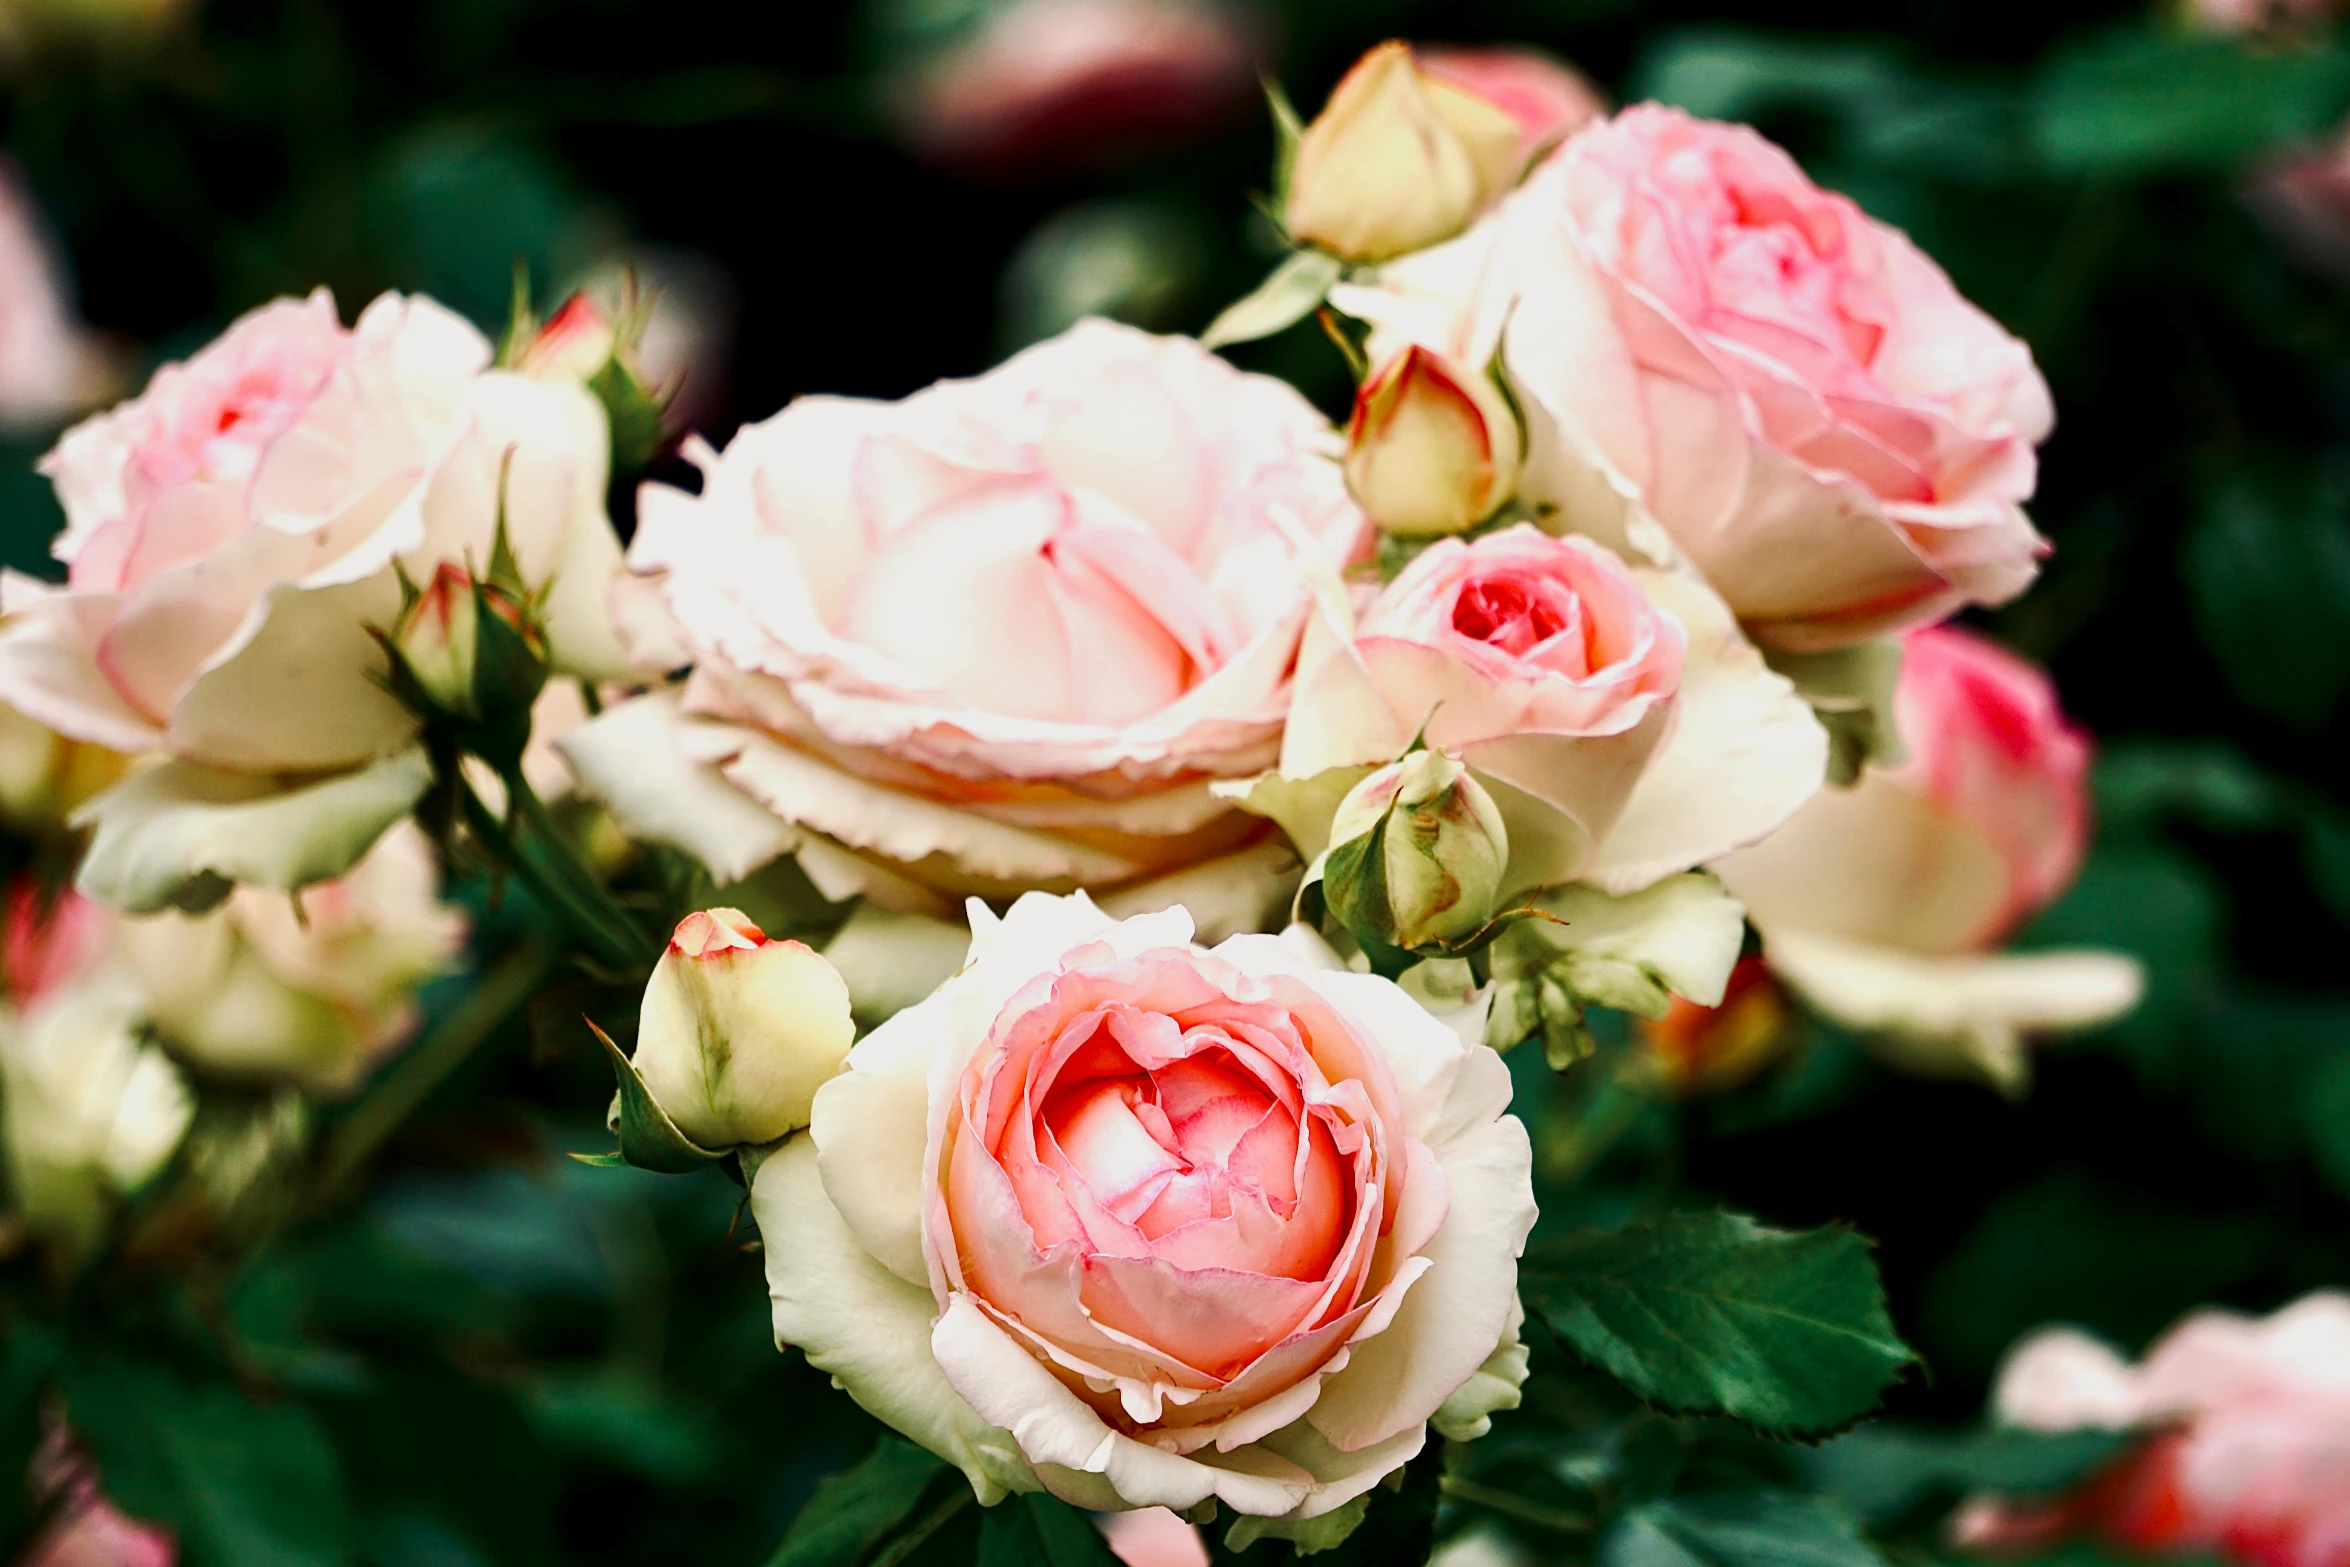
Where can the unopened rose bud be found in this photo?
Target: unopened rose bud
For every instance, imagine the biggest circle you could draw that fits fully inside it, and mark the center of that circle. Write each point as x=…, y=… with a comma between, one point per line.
x=1433, y=447
x=575, y=343
x=738, y=1032
x=1417, y=854
x=1398, y=160
x=471, y=652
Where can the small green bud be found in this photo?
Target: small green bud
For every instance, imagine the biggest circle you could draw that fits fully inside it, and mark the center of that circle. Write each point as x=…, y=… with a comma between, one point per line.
x=1417, y=855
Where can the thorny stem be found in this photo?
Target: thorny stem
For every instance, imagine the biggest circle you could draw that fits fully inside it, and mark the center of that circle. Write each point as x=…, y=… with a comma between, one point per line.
x=616, y=945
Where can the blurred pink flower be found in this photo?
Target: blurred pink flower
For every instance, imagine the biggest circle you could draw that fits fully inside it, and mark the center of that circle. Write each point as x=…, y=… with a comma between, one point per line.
x=2247, y=1448
x=1046, y=82
x=2252, y=16
x=88, y=1530
x=49, y=364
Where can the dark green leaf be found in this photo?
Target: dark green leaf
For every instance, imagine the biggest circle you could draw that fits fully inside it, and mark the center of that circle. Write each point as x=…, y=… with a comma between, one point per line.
x=26, y=1358
x=1885, y=1471
x=855, y=1510
x=2269, y=578
x=648, y=1138
x=1040, y=1531
x=240, y=1483
x=2139, y=102
x=1710, y=1313
x=1754, y=1529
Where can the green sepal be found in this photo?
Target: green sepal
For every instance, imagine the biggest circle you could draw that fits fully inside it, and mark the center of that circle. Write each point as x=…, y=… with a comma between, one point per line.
x=635, y=413
x=599, y=1161
x=648, y=1138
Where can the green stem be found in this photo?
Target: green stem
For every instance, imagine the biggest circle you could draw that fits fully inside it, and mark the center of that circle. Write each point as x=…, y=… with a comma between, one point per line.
x=908, y=1543
x=507, y=985
x=616, y=946
x=1512, y=1505
x=541, y=827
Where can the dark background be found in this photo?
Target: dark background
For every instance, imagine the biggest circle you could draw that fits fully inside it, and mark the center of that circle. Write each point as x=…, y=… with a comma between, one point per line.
x=524, y=1361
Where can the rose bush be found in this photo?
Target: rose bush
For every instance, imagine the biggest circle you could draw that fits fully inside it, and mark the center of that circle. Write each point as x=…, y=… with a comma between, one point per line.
x=1700, y=337
x=1144, y=1224
x=1883, y=904
x=1000, y=635
x=233, y=533
x=1623, y=725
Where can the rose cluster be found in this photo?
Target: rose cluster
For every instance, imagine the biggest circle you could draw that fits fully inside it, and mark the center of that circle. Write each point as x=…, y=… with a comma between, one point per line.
x=1193, y=797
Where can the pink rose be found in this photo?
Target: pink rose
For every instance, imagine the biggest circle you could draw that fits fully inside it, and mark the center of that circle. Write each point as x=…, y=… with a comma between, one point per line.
x=231, y=533
x=1621, y=723
x=1000, y=635
x=1054, y=82
x=1700, y=336
x=1153, y=1537
x=1144, y=1224
x=1878, y=902
x=49, y=364
x=2247, y=1449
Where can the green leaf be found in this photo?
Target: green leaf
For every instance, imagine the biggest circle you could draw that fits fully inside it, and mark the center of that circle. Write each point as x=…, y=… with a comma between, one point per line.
x=648, y=1138
x=1040, y=1531
x=26, y=1358
x=1754, y=1529
x=2140, y=102
x=2268, y=575
x=1710, y=1313
x=1294, y=291
x=241, y=1484
x=1885, y=1471
x=855, y=1510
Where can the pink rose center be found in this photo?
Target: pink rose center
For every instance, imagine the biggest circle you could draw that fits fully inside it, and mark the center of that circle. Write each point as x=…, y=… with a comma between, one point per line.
x=1145, y=1152
x=1518, y=615
x=1187, y=1152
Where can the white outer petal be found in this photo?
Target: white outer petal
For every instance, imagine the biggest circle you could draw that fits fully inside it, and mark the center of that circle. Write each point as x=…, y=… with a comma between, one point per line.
x=1963, y=1015
x=631, y=758
x=1744, y=753
x=867, y=1327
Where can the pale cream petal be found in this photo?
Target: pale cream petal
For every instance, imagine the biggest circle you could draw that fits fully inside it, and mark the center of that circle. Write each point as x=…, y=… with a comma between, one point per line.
x=866, y=1326
x=1954, y=1016
x=892, y=960
x=1744, y=753
x=630, y=758
x=300, y=686
x=175, y=835
x=1249, y=889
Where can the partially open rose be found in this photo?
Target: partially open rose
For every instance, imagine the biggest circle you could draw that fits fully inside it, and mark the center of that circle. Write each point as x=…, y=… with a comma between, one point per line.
x=1000, y=635
x=1884, y=904
x=1700, y=336
x=231, y=536
x=1144, y=1224
x=1623, y=725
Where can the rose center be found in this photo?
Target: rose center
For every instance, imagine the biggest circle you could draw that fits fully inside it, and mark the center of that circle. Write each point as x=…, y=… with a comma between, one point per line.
x=1522, y=618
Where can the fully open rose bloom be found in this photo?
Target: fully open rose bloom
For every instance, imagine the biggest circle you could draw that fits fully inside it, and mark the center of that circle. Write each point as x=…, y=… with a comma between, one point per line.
x=1623, y=725
x=2246, y=1445
x=1000, y=635
x=1883, y=903
x=1700, y=336
x=1145, y=1224
x=231, y=536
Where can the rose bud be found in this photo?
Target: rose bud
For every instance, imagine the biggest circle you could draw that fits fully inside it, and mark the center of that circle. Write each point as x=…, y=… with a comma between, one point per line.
x=596, y=339
x=738, y=1032
x=1398, y=160
x=471, y=653
x=1432, y=448
x=573, y=344
x=1417, y=855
